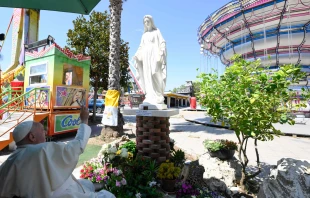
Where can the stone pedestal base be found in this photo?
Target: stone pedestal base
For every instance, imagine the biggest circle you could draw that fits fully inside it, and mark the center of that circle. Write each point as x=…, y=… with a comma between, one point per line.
x=153, y=137
x=147, y=106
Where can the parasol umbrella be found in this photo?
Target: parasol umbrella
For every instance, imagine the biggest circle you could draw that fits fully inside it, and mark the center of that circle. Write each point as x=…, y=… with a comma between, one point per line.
x=72, y=6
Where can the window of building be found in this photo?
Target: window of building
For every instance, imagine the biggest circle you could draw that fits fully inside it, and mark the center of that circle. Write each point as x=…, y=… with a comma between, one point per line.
x=72, y=75
x=38, y=74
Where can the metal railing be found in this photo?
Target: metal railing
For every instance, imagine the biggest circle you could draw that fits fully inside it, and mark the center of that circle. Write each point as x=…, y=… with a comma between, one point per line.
x=37, y=100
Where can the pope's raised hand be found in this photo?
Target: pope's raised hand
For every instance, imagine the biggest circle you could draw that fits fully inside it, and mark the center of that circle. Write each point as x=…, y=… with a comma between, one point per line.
x=84, y=114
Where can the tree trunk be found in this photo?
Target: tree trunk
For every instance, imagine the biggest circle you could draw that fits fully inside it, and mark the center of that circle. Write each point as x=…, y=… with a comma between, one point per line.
x=95, y=102
x=114, y=63
x=115, y=42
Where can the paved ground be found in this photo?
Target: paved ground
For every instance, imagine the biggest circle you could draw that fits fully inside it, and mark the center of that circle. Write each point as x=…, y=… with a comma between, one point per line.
x=297, y=129
x=189, y=136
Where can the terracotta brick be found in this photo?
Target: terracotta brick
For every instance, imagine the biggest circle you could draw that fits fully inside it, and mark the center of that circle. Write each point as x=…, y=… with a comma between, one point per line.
x=141, y=129
x=155, y=130
x=162, y=141
x=161, y=159
x=162, y=134
x=146, y=157
x=139, y=138
x=148, y=118
x=146, y=134
x=147, y=141
x=155, y=122
x=147, y=150
x=155, y=138
x=147, y=127
x=154, y=155
x=162, y=151
x=141, y=145
x=155, y=146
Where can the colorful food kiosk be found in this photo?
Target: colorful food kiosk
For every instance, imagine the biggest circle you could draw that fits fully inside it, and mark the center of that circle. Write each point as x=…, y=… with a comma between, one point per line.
x=61, y=81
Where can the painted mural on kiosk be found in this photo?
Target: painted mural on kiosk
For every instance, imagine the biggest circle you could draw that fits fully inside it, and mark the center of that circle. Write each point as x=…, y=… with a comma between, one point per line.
x=38, y=98
x=68, y=96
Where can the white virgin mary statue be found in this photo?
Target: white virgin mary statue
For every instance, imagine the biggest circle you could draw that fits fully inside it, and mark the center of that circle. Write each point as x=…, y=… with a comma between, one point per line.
x=151, y=65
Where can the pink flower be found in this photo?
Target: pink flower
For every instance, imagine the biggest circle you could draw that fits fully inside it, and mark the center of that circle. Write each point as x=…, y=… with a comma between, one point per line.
x=124, y=182
x=118, y=184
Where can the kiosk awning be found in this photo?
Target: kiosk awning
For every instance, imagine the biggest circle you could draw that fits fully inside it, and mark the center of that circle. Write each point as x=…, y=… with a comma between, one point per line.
x=72, y=6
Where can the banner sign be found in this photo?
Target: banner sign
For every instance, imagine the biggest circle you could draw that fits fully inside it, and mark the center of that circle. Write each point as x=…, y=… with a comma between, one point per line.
x=66, y=122
x=110, y=113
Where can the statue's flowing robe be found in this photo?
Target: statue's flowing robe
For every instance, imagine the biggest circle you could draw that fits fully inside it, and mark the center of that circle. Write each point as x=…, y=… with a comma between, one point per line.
x=151, y=65
x=45, y=170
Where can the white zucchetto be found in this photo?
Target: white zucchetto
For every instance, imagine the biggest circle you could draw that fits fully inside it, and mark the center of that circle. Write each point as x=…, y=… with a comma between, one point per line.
x=21, y=130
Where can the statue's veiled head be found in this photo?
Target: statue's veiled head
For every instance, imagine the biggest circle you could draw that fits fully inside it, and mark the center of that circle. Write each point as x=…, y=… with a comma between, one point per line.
x=148, y=23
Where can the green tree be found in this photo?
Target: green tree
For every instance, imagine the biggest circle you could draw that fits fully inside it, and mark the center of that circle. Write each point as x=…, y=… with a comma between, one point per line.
x=196, y=88
x=91, y=37
x=251, y=98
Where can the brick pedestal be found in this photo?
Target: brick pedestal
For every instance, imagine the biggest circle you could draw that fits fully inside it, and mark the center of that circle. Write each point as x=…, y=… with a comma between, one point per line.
x=152, y=137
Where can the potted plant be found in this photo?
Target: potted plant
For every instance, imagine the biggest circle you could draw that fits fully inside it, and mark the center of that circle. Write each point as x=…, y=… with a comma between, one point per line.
x=223, y=149
x=168, y=173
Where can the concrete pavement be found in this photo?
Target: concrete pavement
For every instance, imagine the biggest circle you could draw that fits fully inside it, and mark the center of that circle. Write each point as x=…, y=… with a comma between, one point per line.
x=190, y=136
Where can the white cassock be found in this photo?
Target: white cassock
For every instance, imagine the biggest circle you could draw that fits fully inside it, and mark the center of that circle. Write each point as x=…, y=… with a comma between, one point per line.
x=45, y=170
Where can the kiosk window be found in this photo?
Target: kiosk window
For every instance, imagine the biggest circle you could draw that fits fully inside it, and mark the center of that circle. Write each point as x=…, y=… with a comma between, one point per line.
x=38, y=74
x=72, y=75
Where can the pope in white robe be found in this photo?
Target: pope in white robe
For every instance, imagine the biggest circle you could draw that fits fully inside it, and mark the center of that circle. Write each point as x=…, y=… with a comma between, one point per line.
x=44, y=169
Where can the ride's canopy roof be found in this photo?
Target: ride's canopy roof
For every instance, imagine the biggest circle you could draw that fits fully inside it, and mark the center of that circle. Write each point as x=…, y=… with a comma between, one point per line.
x=72, y=6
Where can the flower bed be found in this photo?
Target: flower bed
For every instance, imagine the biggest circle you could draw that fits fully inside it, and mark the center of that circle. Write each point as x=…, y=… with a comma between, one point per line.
x=126, y=174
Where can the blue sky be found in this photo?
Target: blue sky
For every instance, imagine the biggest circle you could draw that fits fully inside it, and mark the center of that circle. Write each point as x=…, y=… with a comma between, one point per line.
x=177, y=20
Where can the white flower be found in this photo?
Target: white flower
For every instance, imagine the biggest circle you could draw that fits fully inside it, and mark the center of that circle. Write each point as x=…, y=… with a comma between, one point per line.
x=138, y=195
x=152, y=183
x=112, y=150
x=123, y=182
x=111, y=156
x=119, y=172
x=124, y=153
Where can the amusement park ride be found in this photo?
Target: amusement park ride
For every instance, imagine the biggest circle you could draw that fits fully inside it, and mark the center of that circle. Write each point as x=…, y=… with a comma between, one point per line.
x=54, y=81
x=276, y=31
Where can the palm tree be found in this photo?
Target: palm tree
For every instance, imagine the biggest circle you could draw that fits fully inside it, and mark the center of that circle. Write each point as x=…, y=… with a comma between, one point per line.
x=116, y=7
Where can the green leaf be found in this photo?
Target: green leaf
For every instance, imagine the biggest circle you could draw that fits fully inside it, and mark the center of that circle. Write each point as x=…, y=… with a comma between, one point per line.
x=252, y=100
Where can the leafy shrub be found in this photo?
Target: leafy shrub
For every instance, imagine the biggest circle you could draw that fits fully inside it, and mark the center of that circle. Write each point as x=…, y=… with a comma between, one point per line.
x=216, y=145
x=130, y=146
x=178, y=158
